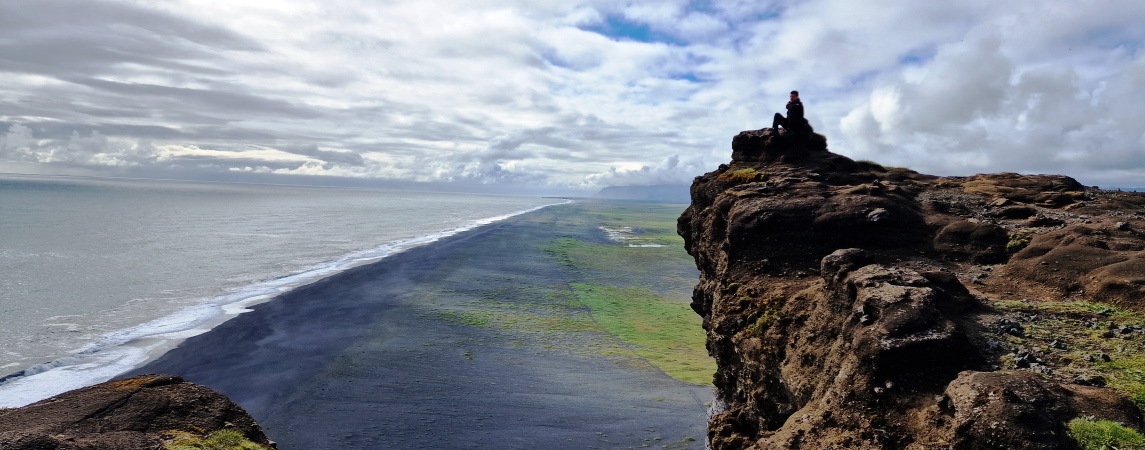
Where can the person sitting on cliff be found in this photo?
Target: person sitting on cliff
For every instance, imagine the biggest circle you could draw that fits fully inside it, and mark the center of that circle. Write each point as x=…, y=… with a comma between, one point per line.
x=794, y=120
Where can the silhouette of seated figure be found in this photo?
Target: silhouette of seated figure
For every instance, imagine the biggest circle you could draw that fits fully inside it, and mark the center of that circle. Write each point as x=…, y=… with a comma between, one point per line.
x=794, y=120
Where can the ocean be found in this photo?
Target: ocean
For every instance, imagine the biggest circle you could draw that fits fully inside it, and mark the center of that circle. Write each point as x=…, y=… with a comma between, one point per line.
x=98, y=276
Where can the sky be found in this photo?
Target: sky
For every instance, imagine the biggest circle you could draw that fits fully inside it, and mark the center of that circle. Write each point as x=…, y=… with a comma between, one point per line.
x=546, y=95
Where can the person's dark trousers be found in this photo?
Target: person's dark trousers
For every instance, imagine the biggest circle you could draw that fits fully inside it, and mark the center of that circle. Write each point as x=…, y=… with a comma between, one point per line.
x=780, y=120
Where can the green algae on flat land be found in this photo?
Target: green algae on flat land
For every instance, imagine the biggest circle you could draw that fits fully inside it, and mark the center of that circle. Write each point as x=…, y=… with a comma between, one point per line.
x=664, y=332
x=652, y=255
x=640, y=294
x=610, y=299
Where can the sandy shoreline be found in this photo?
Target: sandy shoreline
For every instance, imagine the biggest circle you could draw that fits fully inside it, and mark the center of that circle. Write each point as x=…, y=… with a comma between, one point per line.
x=363, y=360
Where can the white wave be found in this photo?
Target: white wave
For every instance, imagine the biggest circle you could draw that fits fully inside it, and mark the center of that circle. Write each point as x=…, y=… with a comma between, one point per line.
x=120, y=351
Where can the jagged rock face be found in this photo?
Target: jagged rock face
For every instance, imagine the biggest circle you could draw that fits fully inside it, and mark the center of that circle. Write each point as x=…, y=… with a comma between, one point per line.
x=836, y=303
x=136, y=413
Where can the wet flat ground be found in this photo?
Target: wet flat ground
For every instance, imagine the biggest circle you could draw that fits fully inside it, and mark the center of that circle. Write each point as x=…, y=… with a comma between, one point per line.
x=477, y=341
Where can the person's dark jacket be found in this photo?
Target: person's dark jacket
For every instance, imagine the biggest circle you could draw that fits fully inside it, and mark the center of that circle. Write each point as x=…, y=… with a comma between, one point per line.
x=795, y=111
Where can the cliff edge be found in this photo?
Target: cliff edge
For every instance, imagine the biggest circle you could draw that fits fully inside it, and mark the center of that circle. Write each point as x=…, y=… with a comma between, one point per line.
x=145, y=412
x=853, y=306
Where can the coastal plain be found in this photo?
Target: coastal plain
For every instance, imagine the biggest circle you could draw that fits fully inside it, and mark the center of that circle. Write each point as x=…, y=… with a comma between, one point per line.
x=567, y=327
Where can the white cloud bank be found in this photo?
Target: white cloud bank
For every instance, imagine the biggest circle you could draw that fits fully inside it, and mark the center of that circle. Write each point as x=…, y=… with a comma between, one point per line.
x=566, y=94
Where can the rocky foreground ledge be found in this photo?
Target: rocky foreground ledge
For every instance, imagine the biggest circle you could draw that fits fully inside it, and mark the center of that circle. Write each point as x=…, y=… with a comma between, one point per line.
x=854, y=306
x=145, y=413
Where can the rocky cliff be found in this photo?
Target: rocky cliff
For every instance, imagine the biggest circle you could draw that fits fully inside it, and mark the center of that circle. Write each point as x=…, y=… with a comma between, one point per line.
x=145, y=413
x=853, y=306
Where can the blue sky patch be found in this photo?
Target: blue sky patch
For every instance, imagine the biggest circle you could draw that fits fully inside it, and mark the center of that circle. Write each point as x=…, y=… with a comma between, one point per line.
x=690, y=76
x=917, y=57
x=621, y=29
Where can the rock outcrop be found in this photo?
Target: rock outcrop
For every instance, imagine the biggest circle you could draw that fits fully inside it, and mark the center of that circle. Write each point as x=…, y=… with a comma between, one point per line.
x=136, y=413
x=853, y=306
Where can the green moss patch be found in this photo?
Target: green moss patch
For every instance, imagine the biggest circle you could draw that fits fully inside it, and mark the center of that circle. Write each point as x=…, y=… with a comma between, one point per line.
x=761, y=324
x=1104, y=435
x=219, y=440
x=1017, y=243
x=743, y=176
x=1084, y=331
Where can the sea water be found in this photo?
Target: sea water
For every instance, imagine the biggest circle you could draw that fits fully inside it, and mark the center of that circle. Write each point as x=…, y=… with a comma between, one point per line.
x=99, y=275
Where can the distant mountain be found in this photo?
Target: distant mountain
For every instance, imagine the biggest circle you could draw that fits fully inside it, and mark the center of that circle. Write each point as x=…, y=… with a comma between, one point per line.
x=666, y=193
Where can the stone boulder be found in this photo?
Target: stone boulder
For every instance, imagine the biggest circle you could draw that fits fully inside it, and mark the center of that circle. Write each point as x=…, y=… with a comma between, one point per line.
x=1020, y=410
x=771, y=145
x=138, y=413
x=980, y=242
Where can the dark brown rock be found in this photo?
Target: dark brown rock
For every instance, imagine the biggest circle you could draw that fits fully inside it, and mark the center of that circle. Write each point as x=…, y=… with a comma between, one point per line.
x=1022, y=410
x=1016, y=212
x=1107, y=263
x=770, y=145
x=1044, y=190
x=889, y=347
x=980, y=242
x=136, y=413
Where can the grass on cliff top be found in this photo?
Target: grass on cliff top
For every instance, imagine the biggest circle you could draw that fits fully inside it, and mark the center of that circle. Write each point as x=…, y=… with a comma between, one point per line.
x=219, y=440
x=1104, y=435
x=1079, y=326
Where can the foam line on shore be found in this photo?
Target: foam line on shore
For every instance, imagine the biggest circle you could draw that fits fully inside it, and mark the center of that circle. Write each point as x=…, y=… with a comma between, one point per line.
x=120, y=351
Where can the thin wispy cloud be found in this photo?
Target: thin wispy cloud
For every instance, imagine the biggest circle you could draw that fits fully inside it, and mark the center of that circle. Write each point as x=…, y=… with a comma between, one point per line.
x=546, y=94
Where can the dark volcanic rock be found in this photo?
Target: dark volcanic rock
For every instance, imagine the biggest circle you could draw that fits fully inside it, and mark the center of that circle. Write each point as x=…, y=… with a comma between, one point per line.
x=980, y=242
x=887, y=347
x=136, y=413
x=1044, y=190
x=1020, y=410
x=770, y=145
x=1016, y=212
x=1105, y=262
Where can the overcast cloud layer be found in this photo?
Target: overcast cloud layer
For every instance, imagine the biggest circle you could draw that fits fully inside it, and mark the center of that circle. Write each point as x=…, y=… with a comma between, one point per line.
x=564, y=94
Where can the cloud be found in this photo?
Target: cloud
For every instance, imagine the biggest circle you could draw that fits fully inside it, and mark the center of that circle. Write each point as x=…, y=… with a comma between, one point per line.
x=330, y=156
x=53, y=37
x=565, y=94
x=20, y=144
x=670, y=170
x=974, y=107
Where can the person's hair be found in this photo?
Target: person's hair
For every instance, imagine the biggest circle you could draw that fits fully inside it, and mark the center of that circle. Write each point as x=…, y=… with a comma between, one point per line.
x=795, y=92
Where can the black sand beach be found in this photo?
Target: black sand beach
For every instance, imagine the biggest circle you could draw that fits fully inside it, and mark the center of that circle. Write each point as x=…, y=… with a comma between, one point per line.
x=371, y=358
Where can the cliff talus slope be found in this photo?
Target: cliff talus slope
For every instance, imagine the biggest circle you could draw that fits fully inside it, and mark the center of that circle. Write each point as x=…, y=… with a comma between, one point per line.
x=850, y=305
